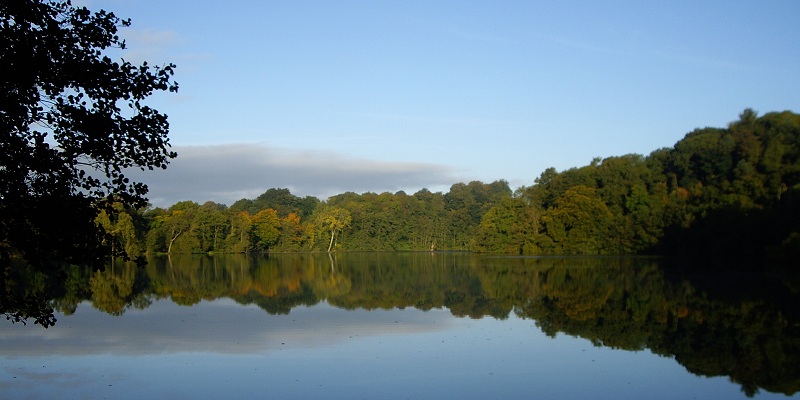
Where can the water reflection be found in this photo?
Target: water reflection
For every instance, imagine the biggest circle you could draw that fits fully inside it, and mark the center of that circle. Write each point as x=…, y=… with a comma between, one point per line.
x=744, y=326
x=220, y=326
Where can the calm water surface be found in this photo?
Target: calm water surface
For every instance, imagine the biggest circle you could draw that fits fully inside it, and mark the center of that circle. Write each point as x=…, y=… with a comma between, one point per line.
x=408, y=326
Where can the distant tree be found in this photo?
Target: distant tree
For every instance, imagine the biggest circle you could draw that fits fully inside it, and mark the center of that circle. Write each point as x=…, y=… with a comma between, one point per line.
x=266, y=227
x=238, y=240
x=212, y=226
x=737, y=190
x=171, y=229
x=121, y=229
x=508, y=227
x=280, y=200
x=71, y=121
x=333, y=220
x=291, y=233
x=467, y=203
x=432, y=228
x=579, y=223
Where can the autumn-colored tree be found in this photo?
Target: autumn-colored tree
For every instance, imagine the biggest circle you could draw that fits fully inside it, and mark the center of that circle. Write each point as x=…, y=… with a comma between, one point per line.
x=292, y=233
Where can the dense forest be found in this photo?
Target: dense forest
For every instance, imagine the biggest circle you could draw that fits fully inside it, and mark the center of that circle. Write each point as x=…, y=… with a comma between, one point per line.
x=717, y=192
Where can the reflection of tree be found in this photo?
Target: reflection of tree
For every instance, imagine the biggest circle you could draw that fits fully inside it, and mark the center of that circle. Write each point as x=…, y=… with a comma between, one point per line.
x=328, y=283
x=751, y=336
x=112, y=292
x=753, y=341
x=618, y=304
x=75, y=290
x=24, y=295
x=578, y=293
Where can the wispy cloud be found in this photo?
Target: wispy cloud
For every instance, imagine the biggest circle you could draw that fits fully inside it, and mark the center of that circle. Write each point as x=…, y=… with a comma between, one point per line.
x=459, y=30
x=431, y=120
x=647, y=50
x=153, y=46
x=152, y=37
x=471, y=35
x=226, y=173
x=702, y=61
x=580, y=45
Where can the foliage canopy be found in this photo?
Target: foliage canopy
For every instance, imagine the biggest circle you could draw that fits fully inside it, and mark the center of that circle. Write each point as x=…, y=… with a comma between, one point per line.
x=719, y=193
x=72, y=120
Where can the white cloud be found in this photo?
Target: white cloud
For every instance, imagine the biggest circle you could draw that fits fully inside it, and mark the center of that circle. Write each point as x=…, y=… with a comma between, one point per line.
x=226, y=173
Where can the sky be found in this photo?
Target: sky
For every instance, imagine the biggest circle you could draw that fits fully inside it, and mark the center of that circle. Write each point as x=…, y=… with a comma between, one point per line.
x=326, y=97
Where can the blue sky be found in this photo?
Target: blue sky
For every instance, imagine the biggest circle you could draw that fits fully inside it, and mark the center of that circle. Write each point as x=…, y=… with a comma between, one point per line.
x=324, y=97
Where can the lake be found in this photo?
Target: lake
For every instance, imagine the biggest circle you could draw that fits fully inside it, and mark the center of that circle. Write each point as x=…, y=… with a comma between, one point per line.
x=407, y=326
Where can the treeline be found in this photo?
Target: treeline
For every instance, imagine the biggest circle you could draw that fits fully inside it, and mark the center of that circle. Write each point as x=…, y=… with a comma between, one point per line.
x=278, y=221
x=718, y=191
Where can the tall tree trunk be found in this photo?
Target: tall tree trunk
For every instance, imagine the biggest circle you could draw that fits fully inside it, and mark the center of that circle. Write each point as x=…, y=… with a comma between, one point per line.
x=333, y=235
x=169, y=248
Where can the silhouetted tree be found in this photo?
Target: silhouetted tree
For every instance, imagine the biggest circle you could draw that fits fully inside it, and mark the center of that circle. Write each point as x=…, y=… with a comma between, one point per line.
x=72, y=120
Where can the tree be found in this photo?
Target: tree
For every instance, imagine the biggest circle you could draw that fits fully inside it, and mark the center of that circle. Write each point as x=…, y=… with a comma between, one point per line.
x=122, y=230
x=71, y=120
x=212, y=225
x=172, y=225
x=579, y=223
x=508, y=227
x=333, y=220
x=266, y=229
x=291, y=233
x=238, y=240
x=467, y=203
